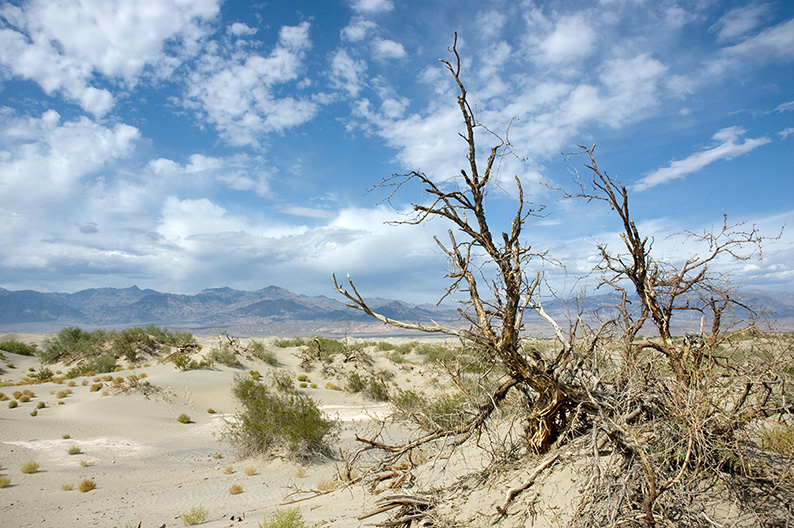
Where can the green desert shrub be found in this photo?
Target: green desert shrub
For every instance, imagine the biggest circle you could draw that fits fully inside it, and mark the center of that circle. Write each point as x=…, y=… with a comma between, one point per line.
x=290, y=518
x=272, y=420
x=432, y=413
x=371, y=387
x=183, y=418
x=5, y=481
x=281, y=380
x=260, y=352
x=72, y=343
x=131, y=342
x=18, y=347
x=12, y=404
x=293, y=342
x=184, y=362
x=224, y=355
x=43, y=374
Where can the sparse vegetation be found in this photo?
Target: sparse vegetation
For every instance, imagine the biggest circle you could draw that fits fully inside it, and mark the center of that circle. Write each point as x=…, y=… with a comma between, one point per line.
x=183, y=418
x=250, y=471
x=371, y=387
x=260, y=352
x=223, y=354
x=228, y=470
x=43, y=374
x=184, y=362
x=273, y=420
x=74, y=450
x=30, y=467
x=98, y=350
x=235, y=489
x=328, y=485
x=195, y=515
x=67, y=486
x=5, y=481
x=290, y=518
x=288, y=343
x=18, y=347
x=281, y=380
x=86, y=463
x=12, y=404
x=87, y=485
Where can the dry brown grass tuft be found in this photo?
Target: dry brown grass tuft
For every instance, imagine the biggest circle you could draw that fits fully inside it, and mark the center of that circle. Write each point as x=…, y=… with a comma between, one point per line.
x=30, y=467
x=87, y=485
x=250, y=471
x=235, y=489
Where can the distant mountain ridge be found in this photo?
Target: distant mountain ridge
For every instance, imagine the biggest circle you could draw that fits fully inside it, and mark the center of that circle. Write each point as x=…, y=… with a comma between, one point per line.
x=270, y=311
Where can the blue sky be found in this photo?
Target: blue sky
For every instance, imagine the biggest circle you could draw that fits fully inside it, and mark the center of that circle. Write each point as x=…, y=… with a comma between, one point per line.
x=181, y=145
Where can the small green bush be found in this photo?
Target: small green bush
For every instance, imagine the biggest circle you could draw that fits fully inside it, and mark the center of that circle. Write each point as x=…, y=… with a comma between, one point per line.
x=371, y=387
x=183, y=418
x=18, y=347
x=396, y=357
x=34, y=412
x=289, y=343
x=442, y=412
x=224, y=355
x=272, y=420
x=258, y=350
x=291, y=518
x=12, y=404
x=195, y=515
x=74, y=450
x=184, y=362
x=5, y=481
x=281, y=380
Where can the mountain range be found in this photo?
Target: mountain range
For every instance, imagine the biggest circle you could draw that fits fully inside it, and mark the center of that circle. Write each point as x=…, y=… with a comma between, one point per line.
x=271, y=311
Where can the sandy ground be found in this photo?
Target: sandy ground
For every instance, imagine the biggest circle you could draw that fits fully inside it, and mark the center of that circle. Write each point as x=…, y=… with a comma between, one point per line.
x=148, y=467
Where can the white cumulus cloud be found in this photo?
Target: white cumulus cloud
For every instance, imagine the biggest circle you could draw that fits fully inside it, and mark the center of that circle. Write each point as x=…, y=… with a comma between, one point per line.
x=63, y=44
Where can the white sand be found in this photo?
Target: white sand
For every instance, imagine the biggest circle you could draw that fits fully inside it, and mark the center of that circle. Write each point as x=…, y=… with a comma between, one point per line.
x=148, y=467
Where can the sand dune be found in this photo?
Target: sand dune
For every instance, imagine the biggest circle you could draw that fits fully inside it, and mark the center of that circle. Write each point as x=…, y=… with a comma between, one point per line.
x=148, y=467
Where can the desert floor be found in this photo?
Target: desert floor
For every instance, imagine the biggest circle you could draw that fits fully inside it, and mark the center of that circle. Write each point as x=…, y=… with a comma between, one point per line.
x=149, y=468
